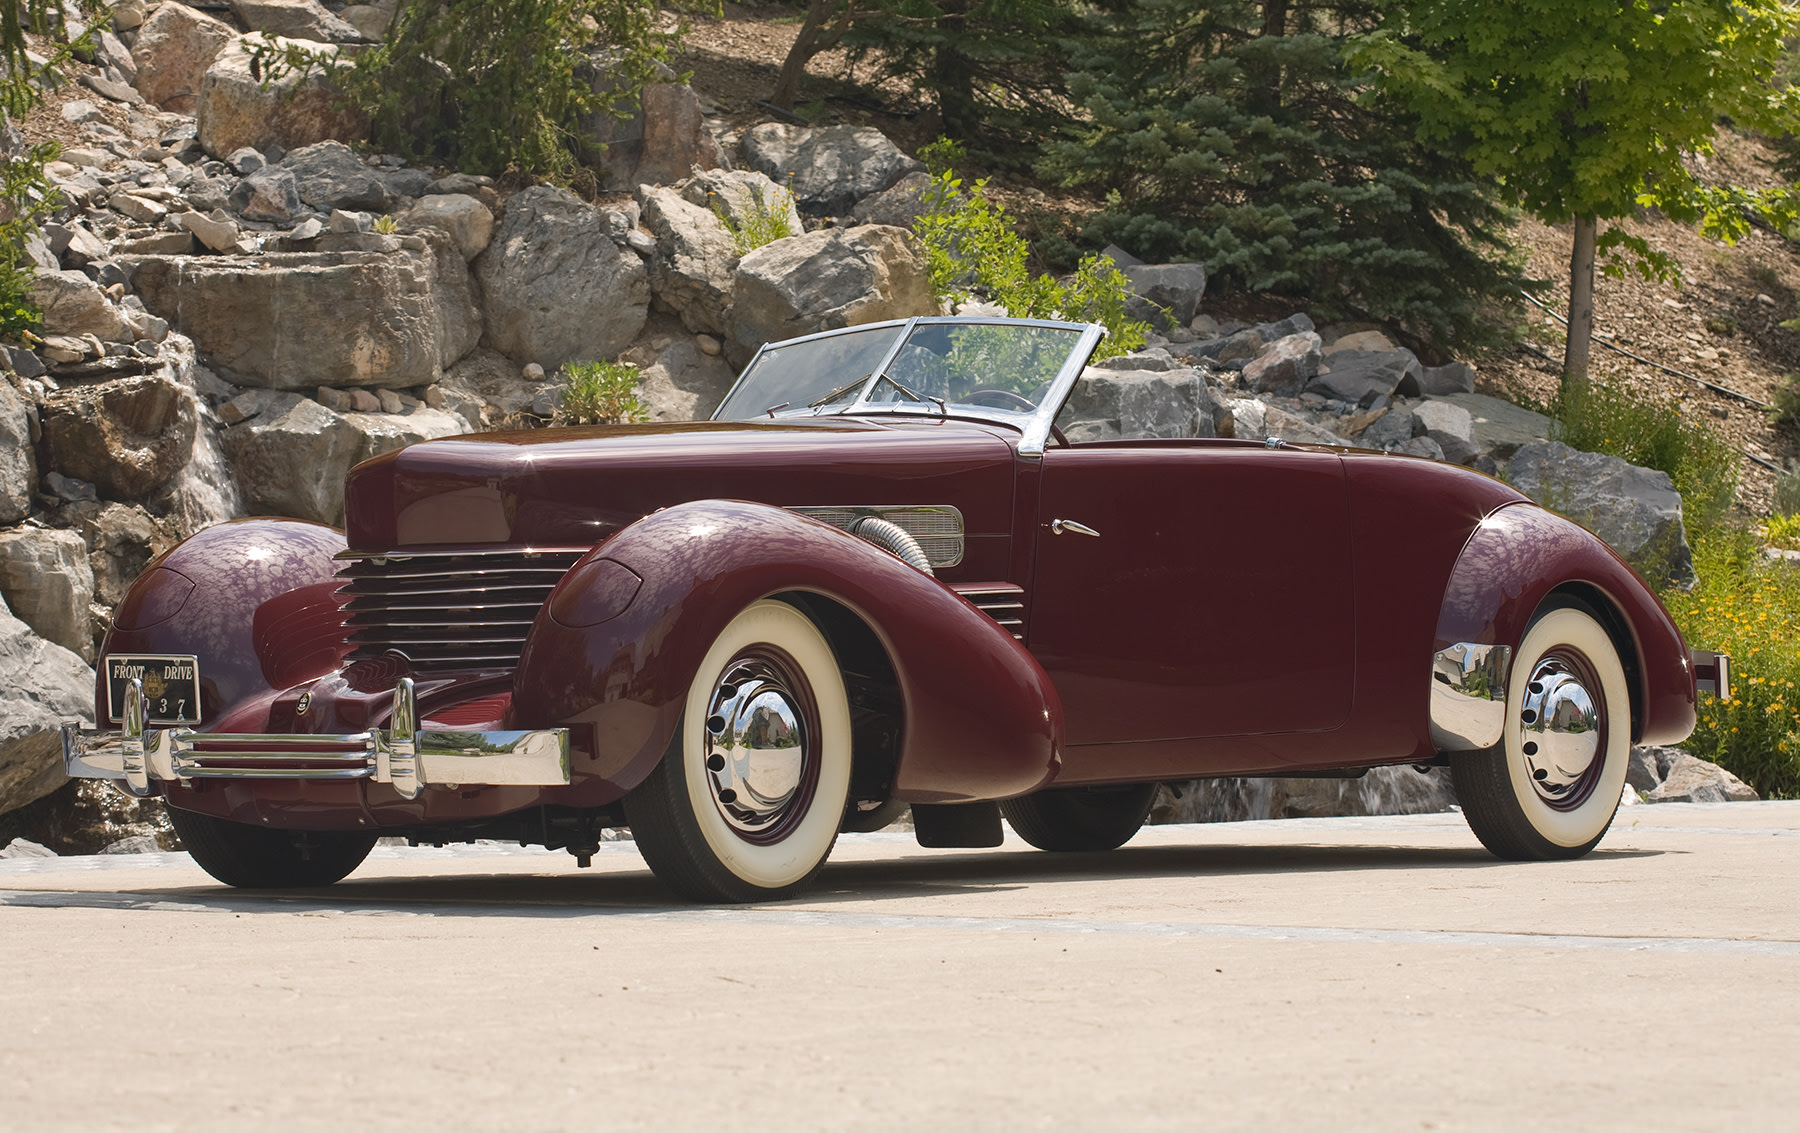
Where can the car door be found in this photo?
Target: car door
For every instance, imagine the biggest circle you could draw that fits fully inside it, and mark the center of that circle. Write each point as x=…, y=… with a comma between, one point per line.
x=1194, y=589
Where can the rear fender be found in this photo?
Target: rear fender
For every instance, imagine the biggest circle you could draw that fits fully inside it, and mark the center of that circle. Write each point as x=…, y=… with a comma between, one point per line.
x=1519, y=557
x=618, y=643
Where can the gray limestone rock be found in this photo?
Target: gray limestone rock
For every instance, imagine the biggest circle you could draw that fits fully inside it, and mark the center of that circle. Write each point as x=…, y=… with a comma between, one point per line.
x=1361, y=376
x=824, y=280
x=45, y=576
x=1285, y=365
x=267, y=194
x=324, y=318
x=329, y=175
x=695, y=259
x=1450, y=426
x=295, y=19
x=18, y=460
x=555, y=286
x=1686, y=778
x=1456, y=377
x=293, y=432
x=1390, y=430
x=677, y=139
x=74, y=305
x=127, y=437
x=46, y=686
x=1383, y=790
x=238, y=108
x=831, y=167
x=467, y=220
x=174, y=48
x=1165, y=295
x=1501, y=428
x=1635, y=510
x=898, y=205
x=684, y=383
x=1110, y=404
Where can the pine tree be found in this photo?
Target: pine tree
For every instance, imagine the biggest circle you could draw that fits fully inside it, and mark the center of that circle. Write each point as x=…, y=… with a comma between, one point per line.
x=1236, y=133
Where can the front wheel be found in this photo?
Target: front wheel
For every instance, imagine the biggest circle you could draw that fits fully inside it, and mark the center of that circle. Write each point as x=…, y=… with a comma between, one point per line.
x=1076, y=819
x=1549, y=788
x=745, y=806
x=255, y=857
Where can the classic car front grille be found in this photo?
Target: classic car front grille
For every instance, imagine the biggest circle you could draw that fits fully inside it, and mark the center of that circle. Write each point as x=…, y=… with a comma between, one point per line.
x=450, y=609
x=1002, y=601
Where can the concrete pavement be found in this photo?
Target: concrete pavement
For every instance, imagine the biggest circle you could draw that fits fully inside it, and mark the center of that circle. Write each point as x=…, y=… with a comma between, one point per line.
x=1317, y=974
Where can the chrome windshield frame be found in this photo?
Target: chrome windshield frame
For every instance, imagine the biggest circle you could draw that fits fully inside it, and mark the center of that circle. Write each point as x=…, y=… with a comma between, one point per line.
x=1034, y=428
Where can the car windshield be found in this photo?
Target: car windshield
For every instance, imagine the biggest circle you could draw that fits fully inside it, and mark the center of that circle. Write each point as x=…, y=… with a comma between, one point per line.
x=995, y=369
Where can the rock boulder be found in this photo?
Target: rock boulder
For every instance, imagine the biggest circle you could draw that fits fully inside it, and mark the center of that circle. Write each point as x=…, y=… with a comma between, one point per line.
x=44, y=575
x=824, y=280
x=174, y=49
x=293, y=432
x=46, y=686
x=18, y=459
x=830, y=168
x=237, y=109
x=321, y=318
x=555, y=286
x=1110, y=405
x=1635, y=510
x=127, y=437
x=696, y=257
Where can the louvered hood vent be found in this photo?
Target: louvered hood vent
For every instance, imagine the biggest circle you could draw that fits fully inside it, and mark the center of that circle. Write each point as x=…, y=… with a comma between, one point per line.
x=448, y=609
x=1002, y=601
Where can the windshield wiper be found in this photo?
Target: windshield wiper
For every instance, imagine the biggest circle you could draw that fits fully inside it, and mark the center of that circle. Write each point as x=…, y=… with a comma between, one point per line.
x=838, y=392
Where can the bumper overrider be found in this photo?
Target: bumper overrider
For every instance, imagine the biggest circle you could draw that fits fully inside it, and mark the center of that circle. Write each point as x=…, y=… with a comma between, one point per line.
x=404, y=756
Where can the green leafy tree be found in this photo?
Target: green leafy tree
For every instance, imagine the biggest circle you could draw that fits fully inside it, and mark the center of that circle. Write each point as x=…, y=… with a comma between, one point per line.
x=26, y=193
x=1583, y=110
x=1238, y=133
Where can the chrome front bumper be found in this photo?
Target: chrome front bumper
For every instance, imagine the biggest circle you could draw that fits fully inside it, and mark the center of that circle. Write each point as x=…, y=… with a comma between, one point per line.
x=404, y=756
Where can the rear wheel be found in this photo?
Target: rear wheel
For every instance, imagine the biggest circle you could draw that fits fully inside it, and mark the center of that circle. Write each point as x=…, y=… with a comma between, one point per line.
x=255, y=857
x=1081, y=818
x=1549, y=788
x=746, y=804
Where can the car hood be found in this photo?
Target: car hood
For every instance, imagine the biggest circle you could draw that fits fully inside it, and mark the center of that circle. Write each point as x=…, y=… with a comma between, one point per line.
x=575, y=487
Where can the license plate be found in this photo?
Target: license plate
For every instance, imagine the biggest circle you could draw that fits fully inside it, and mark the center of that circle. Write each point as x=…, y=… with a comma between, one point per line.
x=171, y=687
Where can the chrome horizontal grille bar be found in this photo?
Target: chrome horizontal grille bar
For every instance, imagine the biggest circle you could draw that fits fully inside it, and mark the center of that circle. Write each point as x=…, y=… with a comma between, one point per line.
x=448, y=609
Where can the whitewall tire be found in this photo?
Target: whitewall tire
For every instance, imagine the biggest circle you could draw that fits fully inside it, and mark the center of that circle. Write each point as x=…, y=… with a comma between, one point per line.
x=746, y=804
x=1550, y=788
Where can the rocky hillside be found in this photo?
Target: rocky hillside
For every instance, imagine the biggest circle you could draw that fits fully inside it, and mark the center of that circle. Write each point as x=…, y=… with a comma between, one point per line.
x=240, y=305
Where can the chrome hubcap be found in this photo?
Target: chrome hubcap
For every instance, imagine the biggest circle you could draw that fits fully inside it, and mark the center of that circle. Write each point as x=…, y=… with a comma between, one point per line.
x=756, y=748
x=1561, y=729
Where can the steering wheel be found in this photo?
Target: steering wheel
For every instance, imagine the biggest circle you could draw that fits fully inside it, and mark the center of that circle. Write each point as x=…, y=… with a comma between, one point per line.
x=1007, y=399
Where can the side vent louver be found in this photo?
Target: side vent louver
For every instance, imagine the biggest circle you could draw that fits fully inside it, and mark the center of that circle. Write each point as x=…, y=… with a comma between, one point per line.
x=1002, y=601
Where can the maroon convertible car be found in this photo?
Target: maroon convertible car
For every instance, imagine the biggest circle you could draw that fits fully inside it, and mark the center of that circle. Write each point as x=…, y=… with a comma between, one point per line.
x=880, y=577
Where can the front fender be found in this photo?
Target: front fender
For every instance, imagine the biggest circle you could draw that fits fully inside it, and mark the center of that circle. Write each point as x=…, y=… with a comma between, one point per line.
x=254, y=599
x=980, y=718
x=1518, y=556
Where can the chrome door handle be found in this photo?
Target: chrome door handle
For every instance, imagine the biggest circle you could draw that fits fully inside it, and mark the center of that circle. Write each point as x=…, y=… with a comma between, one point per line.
x=1059, y=526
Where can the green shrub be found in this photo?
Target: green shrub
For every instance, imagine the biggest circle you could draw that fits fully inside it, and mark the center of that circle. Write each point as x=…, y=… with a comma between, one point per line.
x=26, y=195
x=1747, y=606
x=1597, y=416
x=763, y=222
x=600, y=393
x=496, y=85
x=971, y=248
x=1787, y=494
x=1783, y=531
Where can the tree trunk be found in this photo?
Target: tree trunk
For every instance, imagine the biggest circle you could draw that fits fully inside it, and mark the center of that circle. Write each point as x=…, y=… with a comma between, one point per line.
x=1265, y=85
x=953, y=75
x=806, y=45
x=1581, y=301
